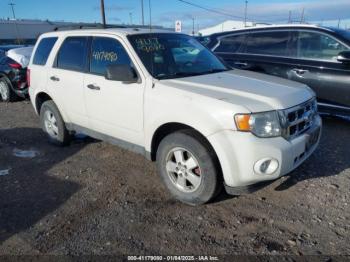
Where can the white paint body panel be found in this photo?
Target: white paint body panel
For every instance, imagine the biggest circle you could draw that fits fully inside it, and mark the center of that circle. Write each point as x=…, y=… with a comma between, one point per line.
x=208, y=103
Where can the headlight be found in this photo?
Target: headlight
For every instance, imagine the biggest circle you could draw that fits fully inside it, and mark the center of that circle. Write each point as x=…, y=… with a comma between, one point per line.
x=265, y=124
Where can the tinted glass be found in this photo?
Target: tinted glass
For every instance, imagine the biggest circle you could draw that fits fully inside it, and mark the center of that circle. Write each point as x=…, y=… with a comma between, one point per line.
x=73, y=54
x=231, y=44
x=204, y=40
x=2, y=59
x=105, y=52
x=6, y=60
x=174, y=55
x=342, y=32
x=313, y=45
x=43, y=50
x=268, y=43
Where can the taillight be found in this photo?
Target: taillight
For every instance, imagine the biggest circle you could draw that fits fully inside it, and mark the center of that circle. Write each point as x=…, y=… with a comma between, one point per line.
x=15, y=66
x=28, y=77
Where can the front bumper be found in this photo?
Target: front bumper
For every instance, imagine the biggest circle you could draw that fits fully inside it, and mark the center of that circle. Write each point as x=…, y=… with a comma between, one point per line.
x=238, y=152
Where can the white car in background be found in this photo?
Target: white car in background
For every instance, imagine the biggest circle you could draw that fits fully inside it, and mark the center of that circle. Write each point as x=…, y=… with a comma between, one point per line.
x=205, y=124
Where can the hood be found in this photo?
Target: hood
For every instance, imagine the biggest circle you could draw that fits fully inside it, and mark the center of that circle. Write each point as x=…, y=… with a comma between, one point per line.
x=257, y=92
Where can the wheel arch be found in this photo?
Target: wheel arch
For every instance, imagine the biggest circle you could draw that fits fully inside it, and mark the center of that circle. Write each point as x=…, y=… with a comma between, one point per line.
x=40, y=99
x=172, y=127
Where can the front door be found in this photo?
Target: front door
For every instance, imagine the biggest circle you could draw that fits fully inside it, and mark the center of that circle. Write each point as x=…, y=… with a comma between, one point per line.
x=114, y=108
x=317, y=66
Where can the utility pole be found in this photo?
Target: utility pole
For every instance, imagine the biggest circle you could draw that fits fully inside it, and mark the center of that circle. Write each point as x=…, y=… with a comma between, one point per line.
x=193, y=26
x=130, y=14
x=245, y=13
x=15, y=21
x=339, y=23
x=103, y=13
x=290, y=17
x=302, y=16
x=143, y=15
x=150, y=15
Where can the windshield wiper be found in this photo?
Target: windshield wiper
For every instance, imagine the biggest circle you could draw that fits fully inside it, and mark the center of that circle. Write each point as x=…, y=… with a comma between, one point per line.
x=212, y=71
x=188, y=74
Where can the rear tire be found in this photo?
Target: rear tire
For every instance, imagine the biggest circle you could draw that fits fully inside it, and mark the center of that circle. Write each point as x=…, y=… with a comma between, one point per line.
x=189, y=168
x=53, y=125
x=6, y=93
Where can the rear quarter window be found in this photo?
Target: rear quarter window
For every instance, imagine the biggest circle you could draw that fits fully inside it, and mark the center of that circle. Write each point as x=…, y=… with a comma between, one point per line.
x=43, y=50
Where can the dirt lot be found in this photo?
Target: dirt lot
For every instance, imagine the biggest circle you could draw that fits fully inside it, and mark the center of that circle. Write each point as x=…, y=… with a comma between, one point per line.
x=94, y=198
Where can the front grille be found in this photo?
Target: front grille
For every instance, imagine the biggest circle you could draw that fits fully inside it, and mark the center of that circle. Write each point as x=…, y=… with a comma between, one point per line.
x=297, y=120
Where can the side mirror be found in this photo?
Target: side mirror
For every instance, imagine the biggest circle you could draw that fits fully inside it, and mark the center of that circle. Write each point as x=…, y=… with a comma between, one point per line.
x=122, y=73
x=344, y=57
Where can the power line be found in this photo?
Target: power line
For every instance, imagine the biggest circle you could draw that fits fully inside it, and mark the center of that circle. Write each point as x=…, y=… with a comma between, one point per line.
x=243, y=18
x=211, y=10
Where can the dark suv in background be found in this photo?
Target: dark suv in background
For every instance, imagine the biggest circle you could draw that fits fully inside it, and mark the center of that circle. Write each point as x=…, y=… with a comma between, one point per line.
x=316, y=56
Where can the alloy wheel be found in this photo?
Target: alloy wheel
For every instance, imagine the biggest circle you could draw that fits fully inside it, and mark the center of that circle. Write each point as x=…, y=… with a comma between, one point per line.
x=183, y=170
x=51, y=124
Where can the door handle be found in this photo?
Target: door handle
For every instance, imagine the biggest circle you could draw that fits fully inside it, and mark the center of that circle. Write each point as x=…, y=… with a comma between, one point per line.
x=300, y=71
x=93, y=87
x=241, y=64
x=54, y=78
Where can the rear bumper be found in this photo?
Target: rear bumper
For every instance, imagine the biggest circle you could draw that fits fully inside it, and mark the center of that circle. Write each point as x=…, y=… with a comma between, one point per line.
x=23, y=93
x=240, y=152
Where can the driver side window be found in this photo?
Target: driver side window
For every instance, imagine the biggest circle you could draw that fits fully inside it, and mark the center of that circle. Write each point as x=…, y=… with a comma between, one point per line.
x=312, y=45
x=107, y=51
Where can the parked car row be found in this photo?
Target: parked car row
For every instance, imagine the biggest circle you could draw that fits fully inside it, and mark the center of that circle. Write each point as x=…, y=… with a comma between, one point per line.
x=316, y=56
x=166, y=96
x=13, y=72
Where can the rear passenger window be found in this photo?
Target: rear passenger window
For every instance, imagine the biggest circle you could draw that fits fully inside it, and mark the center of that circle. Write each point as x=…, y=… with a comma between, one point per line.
x=105, y=52
x=268, y=43
x=73, y=54
x=231, y=44
x=43, y=50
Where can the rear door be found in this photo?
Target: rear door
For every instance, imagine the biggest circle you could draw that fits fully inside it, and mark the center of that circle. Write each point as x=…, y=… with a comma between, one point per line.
x=261, y=51
x=66, y=78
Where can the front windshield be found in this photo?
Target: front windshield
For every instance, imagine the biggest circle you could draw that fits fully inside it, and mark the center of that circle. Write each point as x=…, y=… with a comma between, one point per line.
x=169, y=56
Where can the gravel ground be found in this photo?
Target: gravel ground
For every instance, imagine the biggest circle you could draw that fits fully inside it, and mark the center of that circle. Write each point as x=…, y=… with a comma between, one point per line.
x=94, y=198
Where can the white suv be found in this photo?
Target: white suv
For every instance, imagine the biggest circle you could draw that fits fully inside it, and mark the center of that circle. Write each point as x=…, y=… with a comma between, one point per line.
x=166, y=96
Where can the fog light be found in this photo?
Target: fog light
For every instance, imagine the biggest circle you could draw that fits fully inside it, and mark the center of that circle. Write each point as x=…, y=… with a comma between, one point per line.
x=266, y=166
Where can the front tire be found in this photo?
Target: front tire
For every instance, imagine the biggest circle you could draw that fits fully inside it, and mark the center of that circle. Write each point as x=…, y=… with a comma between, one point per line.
x=189, y=168
x=53, y=125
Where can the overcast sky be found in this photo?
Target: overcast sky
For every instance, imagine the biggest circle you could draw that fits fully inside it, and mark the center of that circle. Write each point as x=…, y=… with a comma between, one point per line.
x=165, y=12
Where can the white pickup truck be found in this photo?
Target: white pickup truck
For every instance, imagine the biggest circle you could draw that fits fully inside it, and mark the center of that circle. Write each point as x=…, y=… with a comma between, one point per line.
x=166, y=96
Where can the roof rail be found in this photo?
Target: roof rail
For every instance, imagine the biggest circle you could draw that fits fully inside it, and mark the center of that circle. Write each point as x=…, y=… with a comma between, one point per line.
x=85, y=26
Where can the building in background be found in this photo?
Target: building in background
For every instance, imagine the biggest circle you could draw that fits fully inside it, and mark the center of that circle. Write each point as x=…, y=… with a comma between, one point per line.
x=27, y=31
x=227, y=26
